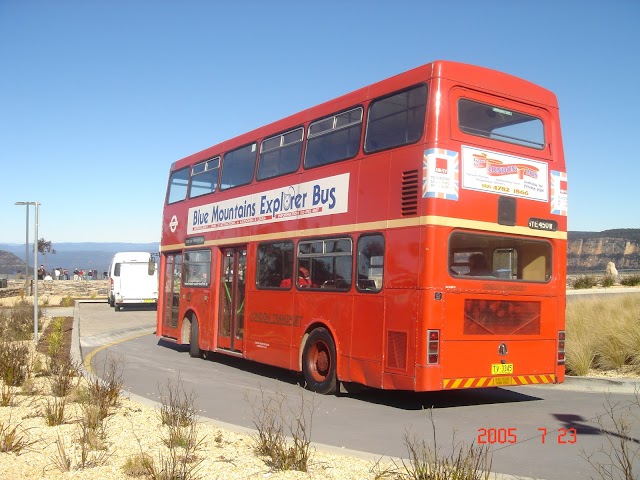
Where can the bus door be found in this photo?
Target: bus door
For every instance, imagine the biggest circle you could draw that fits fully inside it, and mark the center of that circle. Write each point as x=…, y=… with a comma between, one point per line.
x=171, y=295
x=232, y=296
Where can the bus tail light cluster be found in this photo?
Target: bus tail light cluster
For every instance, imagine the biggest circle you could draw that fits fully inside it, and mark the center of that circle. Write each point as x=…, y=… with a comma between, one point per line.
x=433, y=347
x=561, y=347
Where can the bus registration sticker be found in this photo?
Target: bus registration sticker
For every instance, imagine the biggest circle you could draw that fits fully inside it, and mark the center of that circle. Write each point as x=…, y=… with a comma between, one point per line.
x=501, y=368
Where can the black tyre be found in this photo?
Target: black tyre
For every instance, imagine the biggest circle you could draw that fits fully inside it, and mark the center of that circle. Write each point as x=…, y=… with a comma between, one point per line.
x=319, y=362
x=194, y=348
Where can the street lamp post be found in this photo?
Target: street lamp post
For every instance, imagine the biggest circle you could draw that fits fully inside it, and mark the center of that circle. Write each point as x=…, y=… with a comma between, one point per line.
x=35, y=266
x=26, y=252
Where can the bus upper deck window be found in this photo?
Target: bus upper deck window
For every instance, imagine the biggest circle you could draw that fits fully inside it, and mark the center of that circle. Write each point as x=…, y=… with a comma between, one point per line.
x=178, y=183
x=498, y=123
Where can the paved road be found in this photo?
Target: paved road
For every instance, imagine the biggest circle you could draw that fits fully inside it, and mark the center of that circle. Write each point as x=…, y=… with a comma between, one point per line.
x=537, y=419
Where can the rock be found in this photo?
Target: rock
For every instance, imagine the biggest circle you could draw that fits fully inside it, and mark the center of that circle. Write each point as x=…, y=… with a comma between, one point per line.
x=611, y=270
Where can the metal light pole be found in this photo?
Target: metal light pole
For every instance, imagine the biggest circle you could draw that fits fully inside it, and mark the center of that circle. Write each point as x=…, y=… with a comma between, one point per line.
x=26, y=252
x=35, y=266
x=35, y=276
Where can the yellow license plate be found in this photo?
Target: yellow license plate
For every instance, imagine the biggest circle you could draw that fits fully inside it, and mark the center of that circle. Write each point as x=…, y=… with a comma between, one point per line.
x=501, y=368
x=503, y=381
x=148, y=300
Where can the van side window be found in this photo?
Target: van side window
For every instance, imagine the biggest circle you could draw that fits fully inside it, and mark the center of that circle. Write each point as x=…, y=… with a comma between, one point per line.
x=116, y=270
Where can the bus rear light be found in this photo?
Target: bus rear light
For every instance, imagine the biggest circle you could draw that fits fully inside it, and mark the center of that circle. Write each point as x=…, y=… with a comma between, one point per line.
x=561, y=339
x=433, y=347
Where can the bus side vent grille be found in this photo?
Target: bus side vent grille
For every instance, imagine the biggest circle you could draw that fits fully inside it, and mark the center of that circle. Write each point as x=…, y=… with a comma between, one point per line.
x=410, y=193
x=397, y=350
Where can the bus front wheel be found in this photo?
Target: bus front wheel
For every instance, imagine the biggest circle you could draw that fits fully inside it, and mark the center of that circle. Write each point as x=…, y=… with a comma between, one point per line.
x=319, y=362
x=194, y=348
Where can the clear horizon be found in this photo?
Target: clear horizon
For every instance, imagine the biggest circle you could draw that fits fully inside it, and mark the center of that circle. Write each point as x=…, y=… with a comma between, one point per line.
x=100, y=98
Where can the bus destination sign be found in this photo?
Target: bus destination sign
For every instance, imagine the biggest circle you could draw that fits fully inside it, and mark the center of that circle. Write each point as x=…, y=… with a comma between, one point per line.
x=194, y=241
x=540, y=224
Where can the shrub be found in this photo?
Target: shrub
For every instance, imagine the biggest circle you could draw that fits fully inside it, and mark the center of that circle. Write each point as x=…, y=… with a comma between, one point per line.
x=54, y=409
x=630, y=281
x=585, y=281
x=64, y=379
x=179, y=414
x=138, y=465
x=14, y=363
x=13, y=438
x=67, y=302
x=104, y=393
x=17, y=323
x=270, y=418
x=607, y=281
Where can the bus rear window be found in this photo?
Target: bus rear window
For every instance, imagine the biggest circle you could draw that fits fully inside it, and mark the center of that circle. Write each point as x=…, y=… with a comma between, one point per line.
x=477, y=256
x=498, y=123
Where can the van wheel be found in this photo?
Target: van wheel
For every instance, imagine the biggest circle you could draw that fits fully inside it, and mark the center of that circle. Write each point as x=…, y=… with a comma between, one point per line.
x=319, y=362
x=194, y=349
x=117, y=307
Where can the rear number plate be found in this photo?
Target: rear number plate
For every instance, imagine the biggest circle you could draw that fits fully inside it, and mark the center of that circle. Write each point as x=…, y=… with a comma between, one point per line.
x=501, y=368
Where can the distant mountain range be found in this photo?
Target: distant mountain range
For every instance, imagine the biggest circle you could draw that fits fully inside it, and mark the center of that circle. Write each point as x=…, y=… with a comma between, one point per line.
x=85, y=256
x=587, y=252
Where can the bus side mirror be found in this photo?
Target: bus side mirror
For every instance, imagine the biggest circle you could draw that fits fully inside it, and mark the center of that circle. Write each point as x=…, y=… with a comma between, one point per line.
x=152, y=266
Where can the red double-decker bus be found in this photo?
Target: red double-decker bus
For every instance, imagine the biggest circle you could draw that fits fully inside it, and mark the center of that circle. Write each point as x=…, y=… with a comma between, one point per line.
x=408, y=235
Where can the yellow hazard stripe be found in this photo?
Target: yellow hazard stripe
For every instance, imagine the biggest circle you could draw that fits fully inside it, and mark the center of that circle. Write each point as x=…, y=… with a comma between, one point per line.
x=479, y=382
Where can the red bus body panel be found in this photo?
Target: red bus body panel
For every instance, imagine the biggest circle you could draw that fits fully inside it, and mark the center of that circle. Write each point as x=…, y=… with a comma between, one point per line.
x=381, y=338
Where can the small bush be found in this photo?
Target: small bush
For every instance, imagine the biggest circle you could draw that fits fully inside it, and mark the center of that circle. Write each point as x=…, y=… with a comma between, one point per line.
x=270, y=417
x=137, y=465
x=585, y=281
x=630, y=281
x=61, y=459
x=178, y=413
x=13, y=438
x=607, y=281
x=104, y=393
x=64, y=379
x=14, y=363
x=67, y=302
x=17, y=323
x=55, y=343
x=54, y=409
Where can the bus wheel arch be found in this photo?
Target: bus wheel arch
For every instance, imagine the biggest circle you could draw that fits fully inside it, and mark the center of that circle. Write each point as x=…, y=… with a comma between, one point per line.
x=319, y=360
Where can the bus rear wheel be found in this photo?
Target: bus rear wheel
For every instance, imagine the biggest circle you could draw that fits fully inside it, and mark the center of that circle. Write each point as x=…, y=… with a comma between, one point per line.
x=319, y=362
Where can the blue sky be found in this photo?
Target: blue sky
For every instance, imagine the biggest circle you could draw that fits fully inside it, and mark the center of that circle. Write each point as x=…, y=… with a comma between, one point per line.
x=98, y=98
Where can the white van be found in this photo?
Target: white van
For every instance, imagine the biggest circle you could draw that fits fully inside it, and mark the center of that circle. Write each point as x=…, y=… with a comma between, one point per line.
x=133, y=279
